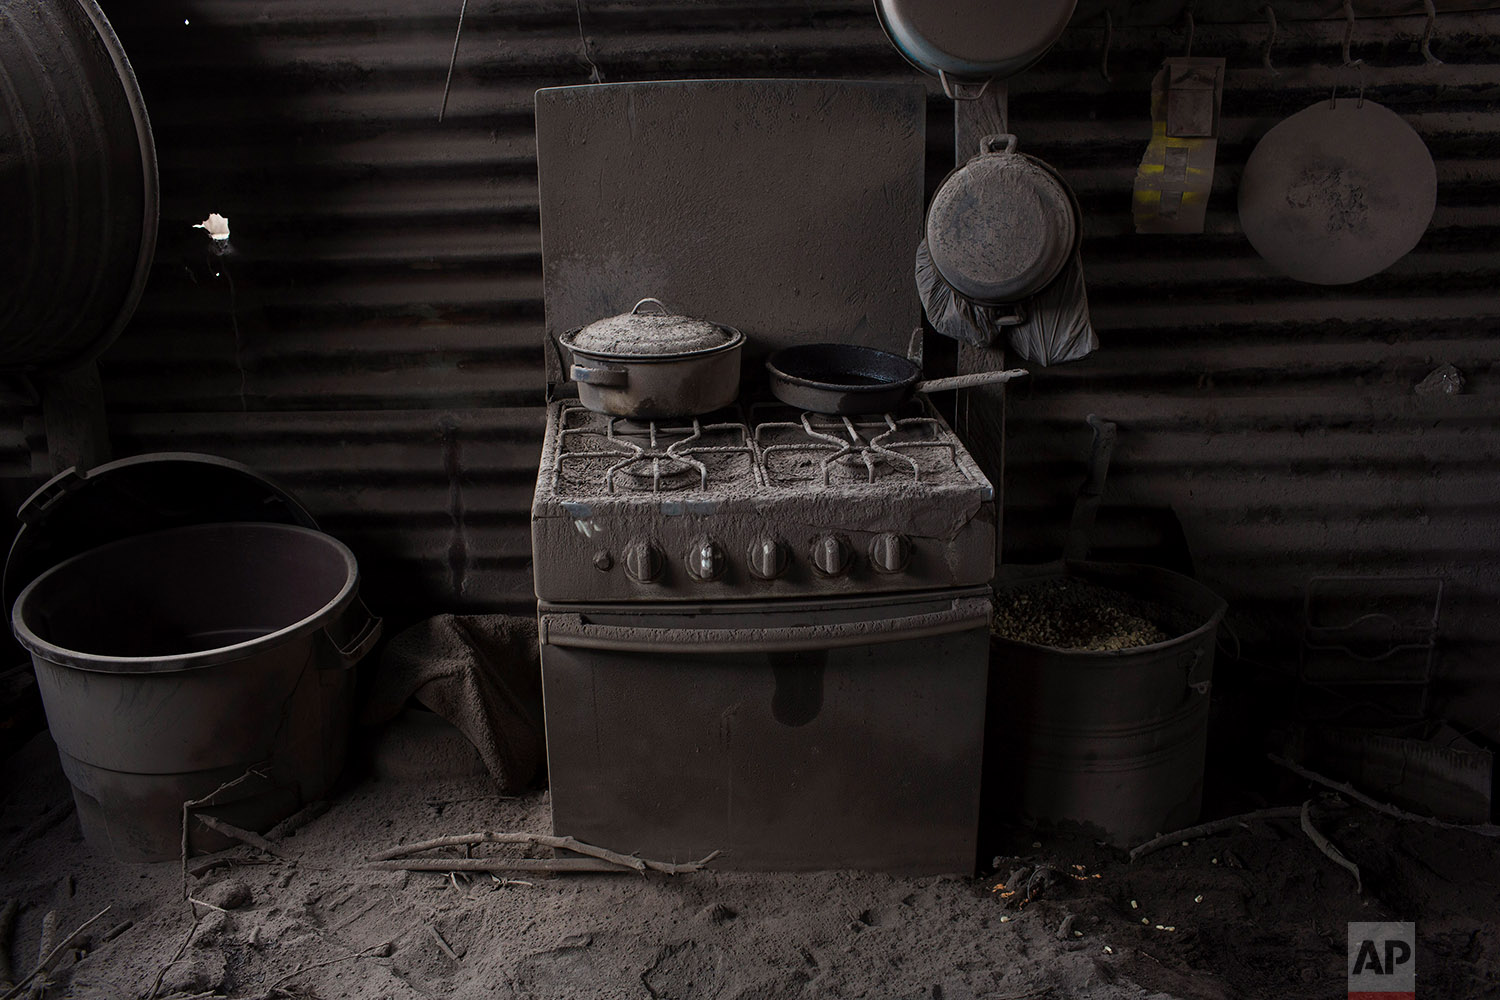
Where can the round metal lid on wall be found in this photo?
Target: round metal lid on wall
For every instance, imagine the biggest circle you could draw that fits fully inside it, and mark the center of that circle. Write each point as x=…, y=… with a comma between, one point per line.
x=74, y=512
x=1337, y=192
x=80, y=197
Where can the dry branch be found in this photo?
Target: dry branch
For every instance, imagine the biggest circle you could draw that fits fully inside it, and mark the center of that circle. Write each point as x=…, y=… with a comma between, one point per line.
x=244, y=836
x=276, y=986
x=1344, y=788
x=1217, y=826
x=162, y=972
x=297, y=820
x=614, y=860
x=493, y=865
x=1323, y=844
x=442, y=942
x=187, y=808
x=44, y=946
x=51, y=956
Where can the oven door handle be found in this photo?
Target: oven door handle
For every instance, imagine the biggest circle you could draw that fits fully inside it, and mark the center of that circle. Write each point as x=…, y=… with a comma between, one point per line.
x=563, y=629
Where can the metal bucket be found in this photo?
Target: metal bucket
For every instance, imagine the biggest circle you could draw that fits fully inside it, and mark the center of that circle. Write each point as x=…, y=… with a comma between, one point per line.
x=1109, y=742
x=174, y=662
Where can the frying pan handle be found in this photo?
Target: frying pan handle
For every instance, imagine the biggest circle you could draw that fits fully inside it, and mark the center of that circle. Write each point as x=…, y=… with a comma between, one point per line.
x=990, y=143
x=661, y=308
x=962, y=90
x=969, y=381
x=599, y=375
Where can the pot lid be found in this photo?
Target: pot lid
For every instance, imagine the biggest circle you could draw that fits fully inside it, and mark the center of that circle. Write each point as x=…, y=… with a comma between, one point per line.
x=1002, y=225
x=1337, y=192
x=655, y=333
x=77, y=511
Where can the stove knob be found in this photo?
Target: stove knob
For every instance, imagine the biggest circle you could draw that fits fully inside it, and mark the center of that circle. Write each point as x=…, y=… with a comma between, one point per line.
x=644, y=562
x=705, y=561
x=890, y=552
x=768, y=559
x=830, y=555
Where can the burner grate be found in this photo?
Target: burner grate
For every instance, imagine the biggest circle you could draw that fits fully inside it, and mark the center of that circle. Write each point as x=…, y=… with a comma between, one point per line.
x=879, y=446
x=625, y=456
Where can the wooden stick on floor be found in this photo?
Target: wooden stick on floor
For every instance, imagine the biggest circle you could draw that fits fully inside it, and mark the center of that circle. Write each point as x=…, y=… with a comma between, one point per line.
x=51, y=955
x=540, y=840
x=1217, y=826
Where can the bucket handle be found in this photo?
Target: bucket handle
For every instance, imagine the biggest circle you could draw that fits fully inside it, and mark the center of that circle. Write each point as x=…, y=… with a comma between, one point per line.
x=364, y=640
x=1195, y=681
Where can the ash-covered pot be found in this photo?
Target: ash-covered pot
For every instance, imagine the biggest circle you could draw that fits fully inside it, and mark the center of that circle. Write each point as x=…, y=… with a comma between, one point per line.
x=1002, y=226
x=656, y=364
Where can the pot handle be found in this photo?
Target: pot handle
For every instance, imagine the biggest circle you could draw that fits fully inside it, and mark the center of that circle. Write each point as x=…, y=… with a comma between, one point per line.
x=661, y=307
x=989, y=143
x=607, y=375
x=969, y=381
x=962, y=90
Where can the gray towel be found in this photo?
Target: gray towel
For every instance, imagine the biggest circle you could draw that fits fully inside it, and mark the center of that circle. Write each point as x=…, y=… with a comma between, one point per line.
x=480, y=672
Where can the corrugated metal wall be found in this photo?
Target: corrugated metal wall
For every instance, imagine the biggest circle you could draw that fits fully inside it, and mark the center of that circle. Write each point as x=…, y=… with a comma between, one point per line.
x=1276, y=421
x=371, y=335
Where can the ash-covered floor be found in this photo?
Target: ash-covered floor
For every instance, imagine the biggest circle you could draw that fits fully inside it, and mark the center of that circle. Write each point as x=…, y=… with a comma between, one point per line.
x=1255, y=912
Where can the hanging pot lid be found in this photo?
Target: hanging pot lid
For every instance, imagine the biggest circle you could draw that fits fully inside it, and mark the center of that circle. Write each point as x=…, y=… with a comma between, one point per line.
x=77, y=511
x=1001, y=226
x=967, y=43
x=1337, y=192
x=657, y=334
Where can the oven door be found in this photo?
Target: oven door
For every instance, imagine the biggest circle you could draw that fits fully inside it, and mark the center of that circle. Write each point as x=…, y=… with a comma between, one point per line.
x=791, y=735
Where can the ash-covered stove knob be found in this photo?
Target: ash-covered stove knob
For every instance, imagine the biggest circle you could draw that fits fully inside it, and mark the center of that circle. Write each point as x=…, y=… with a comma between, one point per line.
x=830, y=555
x=768, y=559
x=705, y=560
x=890, y=551
x=644, y=562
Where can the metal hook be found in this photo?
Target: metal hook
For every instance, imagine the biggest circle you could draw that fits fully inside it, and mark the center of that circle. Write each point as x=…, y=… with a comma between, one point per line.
x=1427, y=55
x=1109, y=37
x=1349, y=33
x=1359, y=100
x=1191, y=28
x=1265, y=54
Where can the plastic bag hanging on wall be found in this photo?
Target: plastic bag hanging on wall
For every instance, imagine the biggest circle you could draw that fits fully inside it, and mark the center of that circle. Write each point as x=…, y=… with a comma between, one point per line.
x=1050, y=327
x=1176, y=173
x=1057, y=327
x=953, y=315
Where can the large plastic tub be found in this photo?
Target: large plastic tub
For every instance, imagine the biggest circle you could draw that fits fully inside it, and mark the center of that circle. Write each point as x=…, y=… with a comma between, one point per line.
x=174, y=662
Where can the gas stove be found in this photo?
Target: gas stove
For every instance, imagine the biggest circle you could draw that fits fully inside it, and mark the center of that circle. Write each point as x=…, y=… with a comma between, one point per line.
x=763, y=632
x=757, y=501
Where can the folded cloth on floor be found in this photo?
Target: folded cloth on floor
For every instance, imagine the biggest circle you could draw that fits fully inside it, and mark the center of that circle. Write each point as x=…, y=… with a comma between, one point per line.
x=480, y=672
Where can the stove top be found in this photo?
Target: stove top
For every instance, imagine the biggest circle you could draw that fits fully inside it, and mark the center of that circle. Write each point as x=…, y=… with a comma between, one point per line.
x=756, y=501
x=763, y=446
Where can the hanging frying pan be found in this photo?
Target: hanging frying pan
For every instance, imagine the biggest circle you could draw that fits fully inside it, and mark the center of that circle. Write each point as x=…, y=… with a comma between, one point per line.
x=968, y=43
x=1337, y=192
x=848, y=379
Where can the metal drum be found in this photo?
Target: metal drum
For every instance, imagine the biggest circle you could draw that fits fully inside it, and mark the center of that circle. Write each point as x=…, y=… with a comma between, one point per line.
x=78, y=174
x=1110, y=743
